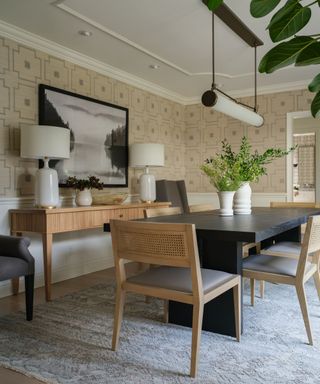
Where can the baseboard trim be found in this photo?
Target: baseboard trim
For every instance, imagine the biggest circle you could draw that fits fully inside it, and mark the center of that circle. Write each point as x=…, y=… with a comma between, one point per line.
x=61, y=274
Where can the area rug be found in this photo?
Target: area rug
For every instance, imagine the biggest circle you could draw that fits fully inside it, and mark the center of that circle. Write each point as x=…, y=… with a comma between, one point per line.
x=69, y=341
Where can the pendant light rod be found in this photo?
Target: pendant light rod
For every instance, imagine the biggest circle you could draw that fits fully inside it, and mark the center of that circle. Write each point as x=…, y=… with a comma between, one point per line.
x=221, y=101
x=213, y=66
x=233, y=22
x=255, y=79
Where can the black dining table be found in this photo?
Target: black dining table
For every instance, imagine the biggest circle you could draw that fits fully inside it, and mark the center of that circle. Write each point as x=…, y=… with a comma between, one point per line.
x=220, y=241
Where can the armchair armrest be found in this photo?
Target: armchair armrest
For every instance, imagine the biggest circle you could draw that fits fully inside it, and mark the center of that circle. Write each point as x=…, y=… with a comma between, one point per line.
x=14, y=246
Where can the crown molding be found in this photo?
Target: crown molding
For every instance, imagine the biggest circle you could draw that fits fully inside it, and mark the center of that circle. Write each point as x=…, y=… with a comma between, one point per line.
x=60, y=4
x=37, y=42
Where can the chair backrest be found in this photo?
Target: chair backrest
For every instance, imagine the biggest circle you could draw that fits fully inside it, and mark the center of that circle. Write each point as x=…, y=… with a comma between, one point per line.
x=200, y=208
x=173, y=191
x=155, y=243
x=311, y=243
x=293, y=204
x=161, y=211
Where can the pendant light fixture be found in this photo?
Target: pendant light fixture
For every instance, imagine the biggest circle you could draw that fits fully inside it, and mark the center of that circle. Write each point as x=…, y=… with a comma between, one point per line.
x=219, y=100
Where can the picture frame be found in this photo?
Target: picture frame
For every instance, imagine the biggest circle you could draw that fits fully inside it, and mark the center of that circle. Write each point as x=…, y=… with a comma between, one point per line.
x=98, y=135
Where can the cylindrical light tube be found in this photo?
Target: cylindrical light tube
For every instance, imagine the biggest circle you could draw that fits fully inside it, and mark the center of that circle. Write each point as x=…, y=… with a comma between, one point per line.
x=231, y=108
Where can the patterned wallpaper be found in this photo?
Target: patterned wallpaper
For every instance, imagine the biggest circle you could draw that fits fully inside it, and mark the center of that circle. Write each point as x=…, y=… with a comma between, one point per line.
x=151, y=118
x=190, y=133
x=205, y=129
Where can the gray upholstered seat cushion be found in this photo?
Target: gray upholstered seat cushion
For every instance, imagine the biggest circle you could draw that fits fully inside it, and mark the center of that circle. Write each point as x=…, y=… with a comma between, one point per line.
x=12, y=267
x=289, y=247
x=272, y=264
x=179, y=279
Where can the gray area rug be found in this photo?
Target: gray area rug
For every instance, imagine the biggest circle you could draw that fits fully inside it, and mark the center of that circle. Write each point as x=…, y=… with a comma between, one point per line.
x=69, y=341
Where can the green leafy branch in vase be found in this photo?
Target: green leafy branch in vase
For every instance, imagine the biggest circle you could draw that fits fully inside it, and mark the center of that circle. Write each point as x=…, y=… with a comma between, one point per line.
x=91, y=182
x=224, y=175
x=251, y=166
x=299, y=50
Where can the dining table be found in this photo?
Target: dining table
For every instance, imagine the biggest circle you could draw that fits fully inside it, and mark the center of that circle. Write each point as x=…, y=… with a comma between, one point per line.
x=220, y=241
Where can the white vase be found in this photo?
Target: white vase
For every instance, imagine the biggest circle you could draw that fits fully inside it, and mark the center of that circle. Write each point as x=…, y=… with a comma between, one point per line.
x=242, y=200
x=226, y=201
x=84, y=198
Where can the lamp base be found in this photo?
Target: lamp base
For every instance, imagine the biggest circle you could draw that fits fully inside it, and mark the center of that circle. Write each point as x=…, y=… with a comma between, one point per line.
x=47, y=187
x=147, y=187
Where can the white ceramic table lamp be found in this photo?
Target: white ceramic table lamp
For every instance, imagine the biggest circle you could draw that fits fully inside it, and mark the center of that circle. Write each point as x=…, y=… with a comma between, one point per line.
x=145, y=155
x=45, y=142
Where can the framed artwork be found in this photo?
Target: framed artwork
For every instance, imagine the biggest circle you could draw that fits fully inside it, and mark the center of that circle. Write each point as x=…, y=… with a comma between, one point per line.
x=98, y=132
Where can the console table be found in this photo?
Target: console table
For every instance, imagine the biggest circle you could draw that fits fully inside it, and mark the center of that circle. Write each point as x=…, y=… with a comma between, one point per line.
x=50, y=221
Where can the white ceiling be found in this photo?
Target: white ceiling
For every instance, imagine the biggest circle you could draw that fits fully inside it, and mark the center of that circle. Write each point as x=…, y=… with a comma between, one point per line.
x=130, y=35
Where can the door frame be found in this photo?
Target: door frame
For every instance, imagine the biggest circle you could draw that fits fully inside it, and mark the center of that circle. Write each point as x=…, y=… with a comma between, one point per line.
x=291, y=116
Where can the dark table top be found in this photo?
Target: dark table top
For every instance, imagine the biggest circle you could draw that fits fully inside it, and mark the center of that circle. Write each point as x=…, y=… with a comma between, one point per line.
x=263, y=223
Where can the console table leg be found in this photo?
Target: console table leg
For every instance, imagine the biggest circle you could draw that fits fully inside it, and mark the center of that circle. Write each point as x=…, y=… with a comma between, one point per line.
x=47, y=256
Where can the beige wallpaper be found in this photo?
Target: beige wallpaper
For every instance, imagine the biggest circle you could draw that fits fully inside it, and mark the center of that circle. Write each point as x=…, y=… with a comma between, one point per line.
x=205, y=129
x=190, y=133
x=151, y=118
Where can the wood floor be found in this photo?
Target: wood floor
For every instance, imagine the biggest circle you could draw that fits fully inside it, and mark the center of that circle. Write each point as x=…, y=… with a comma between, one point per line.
x=16, y=303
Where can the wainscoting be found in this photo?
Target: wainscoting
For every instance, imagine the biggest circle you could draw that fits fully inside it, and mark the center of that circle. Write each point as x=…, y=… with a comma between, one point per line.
x=79, y=253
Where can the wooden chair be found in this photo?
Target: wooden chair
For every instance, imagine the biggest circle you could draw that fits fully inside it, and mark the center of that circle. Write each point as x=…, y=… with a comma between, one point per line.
x=290, y=249
x=285, y=248
x=161, y=211
x=154, y=212
x=283, y=270
x=245, y=253
x=200, y=208
x=179, y=277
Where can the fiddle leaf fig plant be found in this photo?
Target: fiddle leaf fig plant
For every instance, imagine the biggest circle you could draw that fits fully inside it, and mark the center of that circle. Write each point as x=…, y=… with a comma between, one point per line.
x=293, y=48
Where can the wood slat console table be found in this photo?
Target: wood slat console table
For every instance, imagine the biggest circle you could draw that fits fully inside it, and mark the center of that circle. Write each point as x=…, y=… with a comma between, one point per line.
x=50, y=221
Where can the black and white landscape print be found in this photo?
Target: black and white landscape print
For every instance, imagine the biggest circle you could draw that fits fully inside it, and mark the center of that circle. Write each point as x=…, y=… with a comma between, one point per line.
x=99, y=135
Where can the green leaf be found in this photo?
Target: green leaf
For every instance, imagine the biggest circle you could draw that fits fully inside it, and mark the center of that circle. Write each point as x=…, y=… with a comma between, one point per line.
x=284, y=54
x=214, y=4
x=315, y=106
x=309, y=56
x=314, y=86
x=290, y=23
x=260, y=8
x=288, y=7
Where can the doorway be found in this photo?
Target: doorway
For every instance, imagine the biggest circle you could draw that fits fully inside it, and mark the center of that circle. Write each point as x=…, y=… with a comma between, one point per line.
x=303, y=174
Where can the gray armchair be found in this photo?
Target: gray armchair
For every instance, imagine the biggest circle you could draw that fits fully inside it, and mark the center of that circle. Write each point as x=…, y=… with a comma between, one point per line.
x=16, y=261
x=173, y=191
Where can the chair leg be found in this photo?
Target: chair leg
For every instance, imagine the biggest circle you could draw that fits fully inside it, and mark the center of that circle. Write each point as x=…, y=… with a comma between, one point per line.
x=316, y=278
x=304, y=309
x=118, y=314
x=165, y=311
x=197, y=318
x=29, y=288
x=262, y=286
x=237, y=309
x=252, y=288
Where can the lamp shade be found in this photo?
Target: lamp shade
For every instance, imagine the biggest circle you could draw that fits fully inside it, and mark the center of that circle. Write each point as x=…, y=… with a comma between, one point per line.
x=229, y=107
x=146, y=154
x=40, y=141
